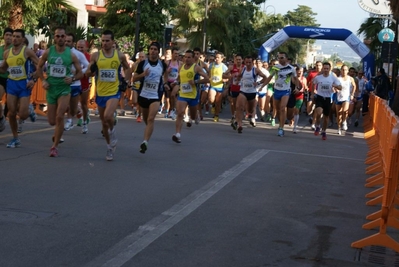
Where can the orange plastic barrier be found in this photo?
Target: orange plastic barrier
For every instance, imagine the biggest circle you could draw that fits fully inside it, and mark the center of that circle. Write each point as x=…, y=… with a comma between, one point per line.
x=92, y=104
x=382, y=136
x=38, y=97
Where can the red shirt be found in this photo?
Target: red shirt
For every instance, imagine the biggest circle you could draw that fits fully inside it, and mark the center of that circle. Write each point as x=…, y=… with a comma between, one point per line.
x=235, y=83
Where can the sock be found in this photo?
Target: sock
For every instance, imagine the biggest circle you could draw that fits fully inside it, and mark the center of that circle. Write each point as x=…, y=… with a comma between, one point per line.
x=296, y=119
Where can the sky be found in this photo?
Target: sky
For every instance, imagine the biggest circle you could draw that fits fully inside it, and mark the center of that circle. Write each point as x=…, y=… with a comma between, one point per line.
x=345, y=14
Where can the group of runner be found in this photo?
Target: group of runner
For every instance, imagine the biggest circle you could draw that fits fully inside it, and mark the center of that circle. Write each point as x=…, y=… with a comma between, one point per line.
x=180, y=89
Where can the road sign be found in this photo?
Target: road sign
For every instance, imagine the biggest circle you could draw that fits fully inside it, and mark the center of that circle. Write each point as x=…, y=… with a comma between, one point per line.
x=386, y=35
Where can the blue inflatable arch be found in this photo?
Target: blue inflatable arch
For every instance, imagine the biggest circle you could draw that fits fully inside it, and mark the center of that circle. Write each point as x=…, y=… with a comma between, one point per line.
x=322, y=34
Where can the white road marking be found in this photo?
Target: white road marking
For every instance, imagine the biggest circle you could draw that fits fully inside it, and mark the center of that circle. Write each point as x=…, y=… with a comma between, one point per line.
x=137, y=241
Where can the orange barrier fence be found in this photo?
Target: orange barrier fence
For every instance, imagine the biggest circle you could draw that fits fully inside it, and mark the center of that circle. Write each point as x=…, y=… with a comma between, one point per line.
x=382, y=136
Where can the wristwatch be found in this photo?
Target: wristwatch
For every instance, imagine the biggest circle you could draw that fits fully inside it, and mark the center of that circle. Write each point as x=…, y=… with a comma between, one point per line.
x=73, y=79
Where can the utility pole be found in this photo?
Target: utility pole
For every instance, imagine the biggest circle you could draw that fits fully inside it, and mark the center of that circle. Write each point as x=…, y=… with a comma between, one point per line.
x=205, y=19
x=137, y=33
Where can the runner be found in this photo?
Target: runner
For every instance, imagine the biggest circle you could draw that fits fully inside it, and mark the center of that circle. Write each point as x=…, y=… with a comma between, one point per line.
x=283, y=73
x=172, y=72
x=76, y=86
x=248, y=91
x=233, y=73
x=19, y=83
x=58, y=83
x=361, y=91
x=7, y=37
x=136, y=110
x=216, y=70
x=106, y=64
x=151, y=73
x=344, y=96
x=85, y=94
x=299, y=96
x=262, y=90
x=312, y=91
x=325, y=82
x=189, y=92
x=269, y=96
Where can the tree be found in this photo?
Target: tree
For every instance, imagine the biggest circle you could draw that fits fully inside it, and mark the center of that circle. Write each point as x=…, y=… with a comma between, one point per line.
x=25, y=14
x=154, y=16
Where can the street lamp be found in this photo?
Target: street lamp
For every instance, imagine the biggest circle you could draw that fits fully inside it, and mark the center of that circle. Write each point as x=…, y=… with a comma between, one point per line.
x=205, y=19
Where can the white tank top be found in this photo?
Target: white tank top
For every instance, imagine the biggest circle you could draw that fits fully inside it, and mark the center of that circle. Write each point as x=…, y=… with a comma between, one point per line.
x=248, y=81
x=344, y=94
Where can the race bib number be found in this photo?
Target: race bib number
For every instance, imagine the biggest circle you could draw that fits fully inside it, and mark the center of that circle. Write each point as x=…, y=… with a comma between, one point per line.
x=324, y=87
x=16, y=72
x=248, y=85
x=278, y=85
x=58, y=71
x=172, y=75
x=186, y=88
x=107, y=75
x=216, y=79
x=150, y=87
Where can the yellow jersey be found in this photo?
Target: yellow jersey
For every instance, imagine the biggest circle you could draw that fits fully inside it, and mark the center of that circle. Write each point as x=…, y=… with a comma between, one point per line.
x=186, y=89
x=108, y=74
x=16, y=65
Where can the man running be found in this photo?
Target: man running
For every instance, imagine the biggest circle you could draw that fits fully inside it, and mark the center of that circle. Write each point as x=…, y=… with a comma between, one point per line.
x=248, y=91
x=344, y=97
x=283, y=73
x=86, y=86
x=106, y=64
x=189, y=92
x=7, y=37
x=19, y=83
x=136, y=110
x=172, y=72
x=312, y=91
x=58, y=83
x=76, y=86
x=216, y=70
x=151, y=73
x=325, y=82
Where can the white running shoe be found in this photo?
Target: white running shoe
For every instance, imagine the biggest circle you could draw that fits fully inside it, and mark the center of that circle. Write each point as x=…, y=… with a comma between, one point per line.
x=110, y=154
x=68, y=125
x=313, y=127
x=85, y=129
x=344, y=126
x=339, y=132
x=173, y=115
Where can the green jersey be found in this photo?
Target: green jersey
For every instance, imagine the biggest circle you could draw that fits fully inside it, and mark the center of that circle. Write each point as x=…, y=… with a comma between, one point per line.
x=59, y=67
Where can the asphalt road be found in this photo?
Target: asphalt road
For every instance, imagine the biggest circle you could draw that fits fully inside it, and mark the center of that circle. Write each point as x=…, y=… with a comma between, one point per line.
x=217, y=199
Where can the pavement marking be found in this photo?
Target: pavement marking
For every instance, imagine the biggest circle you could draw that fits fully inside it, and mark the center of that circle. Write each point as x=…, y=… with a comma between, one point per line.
x=314, y=155
x=36, y=131
x=137, y=241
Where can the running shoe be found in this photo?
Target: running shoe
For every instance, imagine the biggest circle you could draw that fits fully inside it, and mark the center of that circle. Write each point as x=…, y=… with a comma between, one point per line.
x=32, y=114
x=234, y=125
x=273, y=122
x=313, y=127
x=339, y=132
x=356, y=123
x=189, y=123
x=280, y=132
x=323, y=136
x=15, y=142
x=2, y=124
x=317, y=131
x=122, y=113
x=173, y=115
x=110, y=154
x=20, y=122
x=176, y=138
x=216, y=118
x=252, y=122
x=53, y=152
x=294, y=130
x=138, y=119
x=143, y=147
x=239, y=129
x=344, y=126
x=112, y=138
x=85, y=130
x=68, y=125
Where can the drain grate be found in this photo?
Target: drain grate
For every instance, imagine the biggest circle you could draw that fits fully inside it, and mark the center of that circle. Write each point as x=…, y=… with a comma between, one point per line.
x=379, y=256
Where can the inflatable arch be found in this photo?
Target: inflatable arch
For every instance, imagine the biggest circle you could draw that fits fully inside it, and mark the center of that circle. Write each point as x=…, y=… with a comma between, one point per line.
x=323, y=34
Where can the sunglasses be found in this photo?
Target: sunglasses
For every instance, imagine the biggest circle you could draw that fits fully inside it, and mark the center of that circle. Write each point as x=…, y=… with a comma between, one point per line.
x=60, y=36
x=281, y=57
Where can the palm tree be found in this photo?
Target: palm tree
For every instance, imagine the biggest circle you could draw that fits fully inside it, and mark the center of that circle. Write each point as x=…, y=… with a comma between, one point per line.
x=25, y=13
x=370, y=29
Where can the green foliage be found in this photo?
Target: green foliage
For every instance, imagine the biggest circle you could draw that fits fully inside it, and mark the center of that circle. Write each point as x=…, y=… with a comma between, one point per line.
x=27, y=14
x=121, y=18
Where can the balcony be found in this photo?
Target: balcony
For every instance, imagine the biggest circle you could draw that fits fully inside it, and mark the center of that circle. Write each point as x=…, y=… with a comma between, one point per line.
x=98, y=7
x=100, y=2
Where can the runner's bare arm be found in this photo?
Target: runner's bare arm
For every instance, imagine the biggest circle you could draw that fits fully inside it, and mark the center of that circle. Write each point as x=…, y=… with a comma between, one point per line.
x=201, y=72
x=92, y=68
x=4, y=66
x=126, y=67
